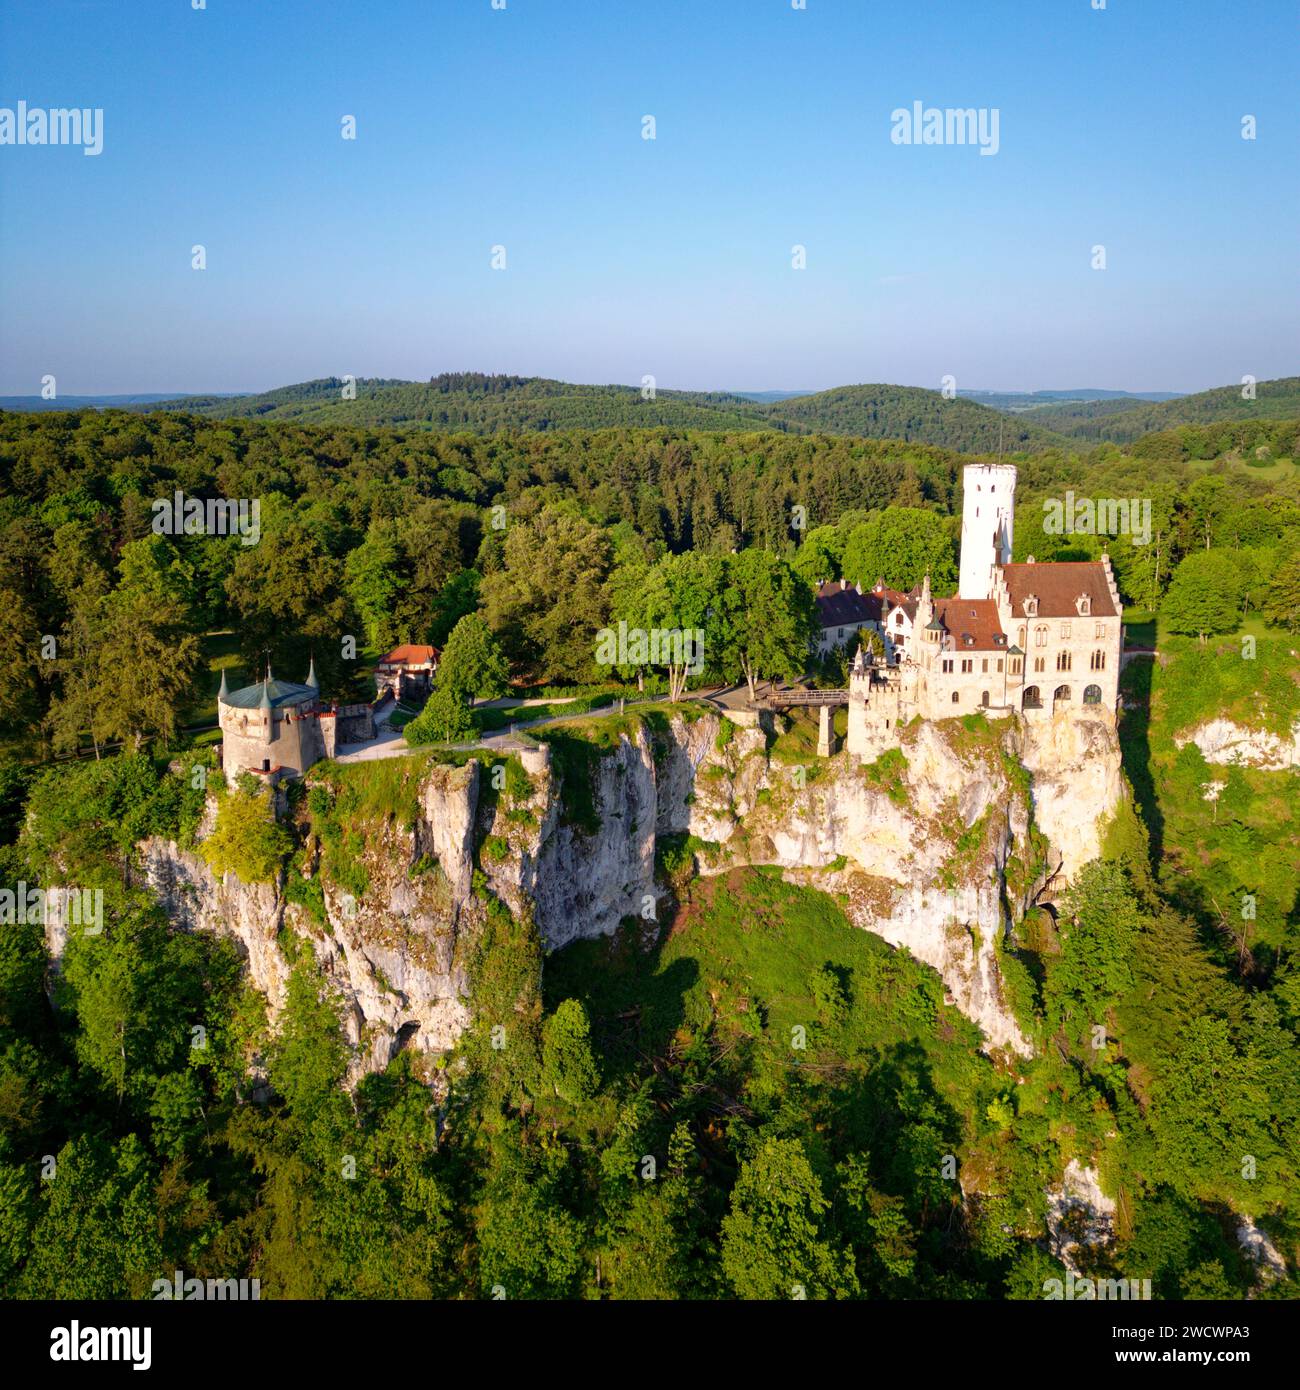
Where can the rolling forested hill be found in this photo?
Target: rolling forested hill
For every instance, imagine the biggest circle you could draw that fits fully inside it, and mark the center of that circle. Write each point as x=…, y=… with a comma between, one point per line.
x=1122, y=421
x=912, y=413
x=478, y=404
x=475, y=403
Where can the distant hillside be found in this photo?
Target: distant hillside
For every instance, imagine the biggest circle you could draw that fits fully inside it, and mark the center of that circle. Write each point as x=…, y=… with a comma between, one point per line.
x=474, y=403
x=767, y=397
x=1015, y=402
x=1122, y=421
x=491, y=404
x=154, y=400
x=913, y=413
x=482, y=404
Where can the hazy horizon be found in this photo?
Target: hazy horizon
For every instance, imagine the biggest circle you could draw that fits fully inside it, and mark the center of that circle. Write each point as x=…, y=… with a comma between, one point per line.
x=145, y=393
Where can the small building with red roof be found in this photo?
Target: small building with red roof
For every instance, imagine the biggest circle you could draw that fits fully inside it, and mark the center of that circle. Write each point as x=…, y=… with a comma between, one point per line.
x=407, y=671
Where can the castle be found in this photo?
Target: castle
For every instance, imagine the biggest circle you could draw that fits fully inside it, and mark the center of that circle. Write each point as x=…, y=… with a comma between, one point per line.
x=1040, y=640
x=276, y=729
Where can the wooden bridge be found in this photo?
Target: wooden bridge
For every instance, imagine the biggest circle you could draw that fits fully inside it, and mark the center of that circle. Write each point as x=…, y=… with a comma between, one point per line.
x=786, y=699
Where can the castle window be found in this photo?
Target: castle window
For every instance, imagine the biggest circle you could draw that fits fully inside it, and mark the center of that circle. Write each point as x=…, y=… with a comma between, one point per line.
x=1099, y=661
x=1062, y=693
x=1031, y=607
x=947, y=666
x=1015, y=665
x=955, y=696
x=1065, y=629
x=967, y=667
x=1092, y=695
x=1101, y=630
x=1040, y=664
x=984, y=698
x=984, y=666
x=1085, y=605
x=1020, y=641
x=1040, y=636
x=1063, y=661
x=1031, y=699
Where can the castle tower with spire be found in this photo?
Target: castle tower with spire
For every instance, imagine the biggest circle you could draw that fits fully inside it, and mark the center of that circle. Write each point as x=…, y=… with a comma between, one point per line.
x=273, y=728
x=987, y=520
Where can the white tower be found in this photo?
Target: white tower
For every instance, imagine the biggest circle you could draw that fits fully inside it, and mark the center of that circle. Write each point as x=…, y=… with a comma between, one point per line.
x=987, y=517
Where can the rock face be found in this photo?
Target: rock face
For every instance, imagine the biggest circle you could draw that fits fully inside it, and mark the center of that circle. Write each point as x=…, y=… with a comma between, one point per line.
x=932, y=847
x=1079, y=1214
x=1222, y=741
x=396, y=955
x=1077, y=782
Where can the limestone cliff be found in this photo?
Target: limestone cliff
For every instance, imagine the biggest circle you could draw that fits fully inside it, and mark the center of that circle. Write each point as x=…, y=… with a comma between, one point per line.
x=1222, y=741
x=936, y=847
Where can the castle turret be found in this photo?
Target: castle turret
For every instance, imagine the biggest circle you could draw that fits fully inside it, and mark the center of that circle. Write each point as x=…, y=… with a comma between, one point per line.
x=924, y=605
x=987, y=520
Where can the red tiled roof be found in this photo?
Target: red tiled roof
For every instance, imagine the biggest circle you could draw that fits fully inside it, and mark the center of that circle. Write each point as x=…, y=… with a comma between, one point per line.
x=892, y=598
x=973, y=618
x=409, y=654
x=1058, y=584
x=840, y=605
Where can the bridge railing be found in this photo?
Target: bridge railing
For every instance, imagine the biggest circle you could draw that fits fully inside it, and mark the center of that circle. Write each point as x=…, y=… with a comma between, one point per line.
x=777, y=698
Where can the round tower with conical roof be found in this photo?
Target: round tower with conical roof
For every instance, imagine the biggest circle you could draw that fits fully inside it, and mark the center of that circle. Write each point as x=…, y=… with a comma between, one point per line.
x=271, y=728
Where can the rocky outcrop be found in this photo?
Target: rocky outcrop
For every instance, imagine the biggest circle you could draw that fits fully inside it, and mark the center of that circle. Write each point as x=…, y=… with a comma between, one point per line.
x=1079, y=1214
x=250, y=913
x=1077, y=781
x=395, y=955
x=1227, y=743
x=1256, y=1245
x=931, y=847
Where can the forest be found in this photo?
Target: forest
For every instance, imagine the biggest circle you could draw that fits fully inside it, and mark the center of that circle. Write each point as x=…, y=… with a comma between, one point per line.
x=1124, y=421
x=225, y=1159
x=995, y=423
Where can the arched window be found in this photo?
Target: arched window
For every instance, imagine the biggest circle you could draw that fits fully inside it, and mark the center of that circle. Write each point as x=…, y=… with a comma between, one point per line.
x=1092, y=695
x=956, y=695
x=1031, y=699
x=1062, y=692
x=1040, y=636
x=984, y=699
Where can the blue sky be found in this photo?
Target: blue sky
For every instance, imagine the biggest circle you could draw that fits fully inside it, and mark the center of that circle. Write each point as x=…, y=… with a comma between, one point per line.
x=625, y=257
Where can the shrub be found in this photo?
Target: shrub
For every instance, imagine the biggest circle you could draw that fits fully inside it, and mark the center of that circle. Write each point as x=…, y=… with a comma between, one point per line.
x=247, y=841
